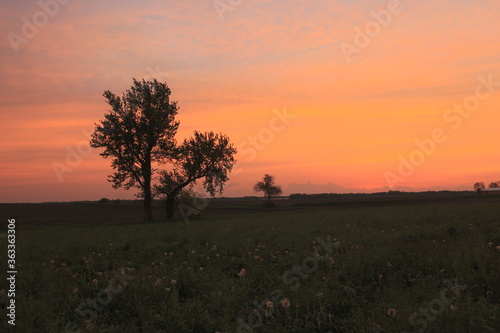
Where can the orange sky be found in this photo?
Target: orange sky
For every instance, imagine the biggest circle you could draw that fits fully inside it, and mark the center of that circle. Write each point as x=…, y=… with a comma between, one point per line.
x=352, y=116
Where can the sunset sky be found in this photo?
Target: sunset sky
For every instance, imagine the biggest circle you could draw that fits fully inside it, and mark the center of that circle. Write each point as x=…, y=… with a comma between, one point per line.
x=354, y=94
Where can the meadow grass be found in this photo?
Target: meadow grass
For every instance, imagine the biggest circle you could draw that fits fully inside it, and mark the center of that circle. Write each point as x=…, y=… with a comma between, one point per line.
x=217, y=274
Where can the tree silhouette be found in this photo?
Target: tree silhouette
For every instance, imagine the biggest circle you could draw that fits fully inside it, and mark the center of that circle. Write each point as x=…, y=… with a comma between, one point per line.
x=269, y=187
x=206, y=155
x=493, y=185
x=479, y=187
x=138, y=131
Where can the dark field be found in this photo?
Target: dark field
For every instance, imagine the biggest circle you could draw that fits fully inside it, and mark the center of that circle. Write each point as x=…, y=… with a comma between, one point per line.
x=365, y=263
x=131, y=210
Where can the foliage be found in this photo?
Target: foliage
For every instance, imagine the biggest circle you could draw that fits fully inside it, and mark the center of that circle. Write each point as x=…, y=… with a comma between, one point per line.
x=138, y=131
x=269, y=187
x=479, y=187
x=206, y=156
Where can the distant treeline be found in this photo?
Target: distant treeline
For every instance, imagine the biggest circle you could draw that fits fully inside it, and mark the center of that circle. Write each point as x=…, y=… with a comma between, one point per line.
x=303, y=196
x=377, y=194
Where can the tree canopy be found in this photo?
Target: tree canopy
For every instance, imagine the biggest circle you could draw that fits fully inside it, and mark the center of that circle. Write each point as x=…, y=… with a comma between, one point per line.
x=269, y=187
x=138, y=133
x=206, y=155
x=479, y=187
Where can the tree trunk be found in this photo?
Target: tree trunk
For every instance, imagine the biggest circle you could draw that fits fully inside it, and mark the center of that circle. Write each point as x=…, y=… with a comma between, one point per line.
x=148, y=209
x=170, y=206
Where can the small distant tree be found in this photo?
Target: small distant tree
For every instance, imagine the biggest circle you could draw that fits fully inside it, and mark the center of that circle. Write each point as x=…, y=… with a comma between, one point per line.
x=479, y=187
x=269, y=187
x=493, y=185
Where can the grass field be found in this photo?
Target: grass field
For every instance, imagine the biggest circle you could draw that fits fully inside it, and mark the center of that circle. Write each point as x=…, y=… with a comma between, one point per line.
x=401, y=268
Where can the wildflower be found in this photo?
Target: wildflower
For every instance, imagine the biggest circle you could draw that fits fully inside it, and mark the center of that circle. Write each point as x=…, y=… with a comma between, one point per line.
x=331, y=260
x=94, y=281
x=201, y=268
x=453, y=307
x=242, y=272
x=285, y=303
x=490, y=244
x=193, y=252
x=52, y=262
x=319, y=294
x=392, y=312
x=158, y=282
x=269, y=304
x=498, y=248
x=99, y=273
x=167, y=290
x=73, y=276
x=75, y=290
x=173, y=282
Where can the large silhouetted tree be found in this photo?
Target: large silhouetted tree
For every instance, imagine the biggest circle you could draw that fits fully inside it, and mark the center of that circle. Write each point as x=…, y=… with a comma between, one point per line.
x=269, y=187
x=206, y=156
x=494, y=185
x=136, y=133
